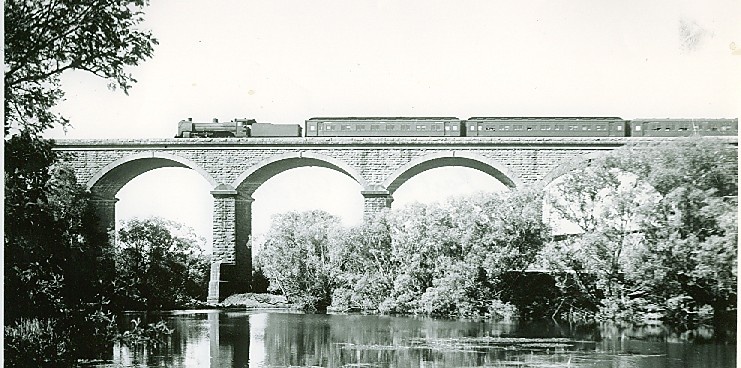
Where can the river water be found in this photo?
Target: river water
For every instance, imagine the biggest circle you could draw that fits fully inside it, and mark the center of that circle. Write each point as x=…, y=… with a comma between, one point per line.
x=280, y=339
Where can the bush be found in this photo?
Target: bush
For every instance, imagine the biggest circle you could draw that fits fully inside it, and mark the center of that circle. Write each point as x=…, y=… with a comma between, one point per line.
x=499, y=310
x=37, y=343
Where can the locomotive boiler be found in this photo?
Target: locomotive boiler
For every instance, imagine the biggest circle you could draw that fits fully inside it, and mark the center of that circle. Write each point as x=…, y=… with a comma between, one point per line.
x=237, y=128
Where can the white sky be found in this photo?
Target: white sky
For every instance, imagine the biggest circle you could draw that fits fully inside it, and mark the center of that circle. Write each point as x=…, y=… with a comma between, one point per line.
x=286, y=61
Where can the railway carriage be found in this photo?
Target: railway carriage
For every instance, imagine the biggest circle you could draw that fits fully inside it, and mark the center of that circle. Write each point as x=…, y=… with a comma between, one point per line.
x=384, y=127
x=546, y=127
x=683, y=127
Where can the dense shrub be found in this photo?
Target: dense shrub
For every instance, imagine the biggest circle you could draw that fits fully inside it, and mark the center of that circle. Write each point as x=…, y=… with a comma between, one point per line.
x=159, y=265
x=441, y=259
x=300, y=258
x=658, y=231
x=37, y=343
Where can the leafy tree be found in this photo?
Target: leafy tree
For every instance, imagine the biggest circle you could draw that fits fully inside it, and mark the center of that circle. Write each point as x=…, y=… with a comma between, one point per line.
x=57, y=262
x=606, y=203
x=300, y=257
x=158, y=265
x=658, y=228
x=44, y=38
x=690, y=254
x=450, y=257
x=366, y=272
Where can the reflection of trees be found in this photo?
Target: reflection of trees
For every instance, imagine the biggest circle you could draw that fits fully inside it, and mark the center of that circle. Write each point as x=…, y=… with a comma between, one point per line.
x=336, y=340
x=281, y=340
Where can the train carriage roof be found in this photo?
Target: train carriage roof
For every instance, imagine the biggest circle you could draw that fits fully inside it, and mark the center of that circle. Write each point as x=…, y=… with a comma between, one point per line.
x=546, y=118
x=383, y=118
x=679, y=120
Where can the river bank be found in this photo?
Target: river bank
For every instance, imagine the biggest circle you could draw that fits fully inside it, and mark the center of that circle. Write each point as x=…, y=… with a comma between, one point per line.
x=255, y=301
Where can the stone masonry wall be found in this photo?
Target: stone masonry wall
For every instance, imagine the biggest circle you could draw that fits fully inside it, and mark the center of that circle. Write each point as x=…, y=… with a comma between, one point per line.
x=224, y=233
x=374, y=158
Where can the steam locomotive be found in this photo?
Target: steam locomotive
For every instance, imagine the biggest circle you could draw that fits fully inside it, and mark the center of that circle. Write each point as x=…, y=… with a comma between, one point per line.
x=454, y=127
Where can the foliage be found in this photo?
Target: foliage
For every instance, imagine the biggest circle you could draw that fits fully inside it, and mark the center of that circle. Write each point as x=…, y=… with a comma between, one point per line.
x=154, y=334
x=51, y=238
x=691, y=245
x=159, y=265
x=45, y=38
x=299, y=257
x=607, y=204
x=451, y=257
x=443, y=259
x=260, y=283
x=37, y=343
x=366, y=272
x=658, y=229
x=58, y=264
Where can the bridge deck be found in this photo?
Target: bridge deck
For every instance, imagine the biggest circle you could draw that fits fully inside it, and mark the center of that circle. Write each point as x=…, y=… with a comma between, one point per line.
x=376, y=142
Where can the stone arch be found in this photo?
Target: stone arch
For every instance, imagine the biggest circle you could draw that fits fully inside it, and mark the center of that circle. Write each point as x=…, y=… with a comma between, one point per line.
x=251, y=179
x=451, y=158
x=110, y=179
x=569, y=166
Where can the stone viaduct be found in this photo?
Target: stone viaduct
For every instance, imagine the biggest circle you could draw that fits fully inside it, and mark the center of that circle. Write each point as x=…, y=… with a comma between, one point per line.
x=235, y=168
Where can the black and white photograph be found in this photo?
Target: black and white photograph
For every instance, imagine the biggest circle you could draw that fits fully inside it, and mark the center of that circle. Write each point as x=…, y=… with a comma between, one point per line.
x=371, y=183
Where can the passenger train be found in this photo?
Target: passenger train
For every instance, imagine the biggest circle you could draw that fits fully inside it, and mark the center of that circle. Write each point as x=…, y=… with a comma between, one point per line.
x=454, y=127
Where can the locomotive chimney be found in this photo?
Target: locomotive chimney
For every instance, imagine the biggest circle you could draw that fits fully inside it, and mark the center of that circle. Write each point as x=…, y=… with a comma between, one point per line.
x=215, y=120
x=190, y=119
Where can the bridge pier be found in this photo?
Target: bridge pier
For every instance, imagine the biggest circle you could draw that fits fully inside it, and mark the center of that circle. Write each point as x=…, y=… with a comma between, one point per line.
x=375, y=201
x=231, y=260
x=105, y=208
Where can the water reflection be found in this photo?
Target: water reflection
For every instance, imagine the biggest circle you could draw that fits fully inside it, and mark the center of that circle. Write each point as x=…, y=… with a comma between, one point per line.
x=258, y=339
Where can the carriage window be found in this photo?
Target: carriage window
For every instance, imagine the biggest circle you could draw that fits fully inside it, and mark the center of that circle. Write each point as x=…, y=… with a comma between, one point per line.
x=447, y=128
x=405, y=127
x=506, y=127
x=619, y=127
x=585, y=127
x=360, y=127
x=517, y=127
x=312, y=128
x=638, y=127
x=328, y=127
x=599, y=127
x=455, y=127
x=473, y=127
x=374, y=126
x=558, y=127
x=435, y=126
x=390, y=126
